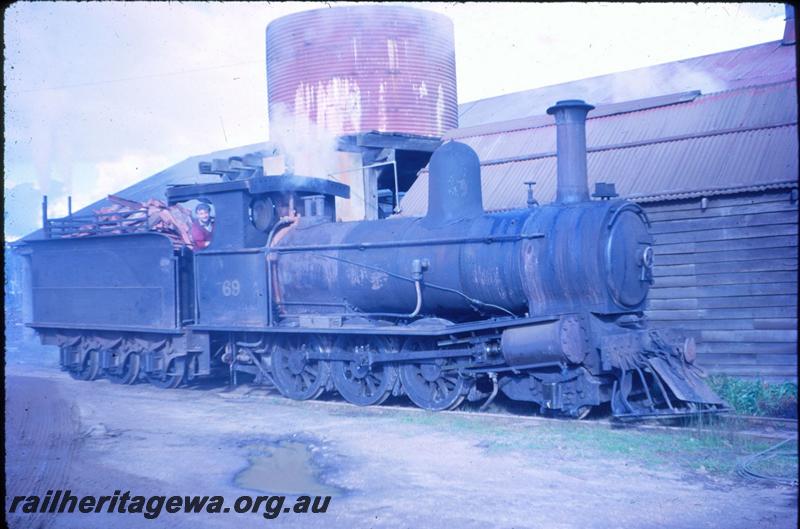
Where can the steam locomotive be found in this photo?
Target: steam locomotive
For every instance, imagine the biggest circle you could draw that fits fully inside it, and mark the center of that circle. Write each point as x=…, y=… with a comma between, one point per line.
x=544, y=304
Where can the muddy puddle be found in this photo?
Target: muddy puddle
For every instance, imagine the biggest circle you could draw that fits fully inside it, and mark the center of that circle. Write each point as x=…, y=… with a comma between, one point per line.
x=284, y=467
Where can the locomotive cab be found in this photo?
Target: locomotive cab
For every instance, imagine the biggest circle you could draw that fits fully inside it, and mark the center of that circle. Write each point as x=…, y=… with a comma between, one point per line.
x=230, y=276
x=247, y=209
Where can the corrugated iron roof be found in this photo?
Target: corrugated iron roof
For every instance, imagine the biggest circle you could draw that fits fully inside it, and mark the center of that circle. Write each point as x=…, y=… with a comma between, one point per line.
x=185, y=172
x=681, y=195
x=155, y=186
x=729, y=140
x=755, y=65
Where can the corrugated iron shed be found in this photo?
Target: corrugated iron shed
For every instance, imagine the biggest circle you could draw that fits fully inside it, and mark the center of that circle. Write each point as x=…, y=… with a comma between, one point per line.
x=745, y=137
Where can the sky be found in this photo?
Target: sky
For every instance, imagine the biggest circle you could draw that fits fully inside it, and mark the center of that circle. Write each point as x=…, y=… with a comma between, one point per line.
x=100, y=95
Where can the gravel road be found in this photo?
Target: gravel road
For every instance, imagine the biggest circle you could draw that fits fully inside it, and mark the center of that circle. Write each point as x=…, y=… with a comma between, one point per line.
x=384, y=467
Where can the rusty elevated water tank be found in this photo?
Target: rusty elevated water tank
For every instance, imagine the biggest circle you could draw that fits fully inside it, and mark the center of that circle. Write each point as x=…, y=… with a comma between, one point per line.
x=364, y=68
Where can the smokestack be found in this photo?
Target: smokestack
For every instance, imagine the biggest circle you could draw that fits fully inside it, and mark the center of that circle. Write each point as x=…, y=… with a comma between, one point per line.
x=454, y=184
x=789, y=30
x=570, y=116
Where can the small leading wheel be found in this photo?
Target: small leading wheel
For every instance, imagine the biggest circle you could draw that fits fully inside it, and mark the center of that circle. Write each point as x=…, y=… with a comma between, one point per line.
x=358, y=381
x=128, y=372
x=89, y=368
x=433, y=384
x=172, y=377
x=297, y=376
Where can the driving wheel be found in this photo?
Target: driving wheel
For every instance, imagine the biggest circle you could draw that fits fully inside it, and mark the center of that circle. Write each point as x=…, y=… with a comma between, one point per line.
x=360, y=381
x=432, y=384
x=296, y=375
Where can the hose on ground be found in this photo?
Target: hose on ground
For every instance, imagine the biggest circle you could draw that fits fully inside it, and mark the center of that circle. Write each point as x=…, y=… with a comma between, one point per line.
x=744, y=466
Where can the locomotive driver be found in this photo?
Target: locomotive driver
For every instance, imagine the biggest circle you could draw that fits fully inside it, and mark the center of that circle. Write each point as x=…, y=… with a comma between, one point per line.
x=202, y=226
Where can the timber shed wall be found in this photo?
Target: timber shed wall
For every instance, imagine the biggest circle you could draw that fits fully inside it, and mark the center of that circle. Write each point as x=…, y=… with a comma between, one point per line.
x=728, y=276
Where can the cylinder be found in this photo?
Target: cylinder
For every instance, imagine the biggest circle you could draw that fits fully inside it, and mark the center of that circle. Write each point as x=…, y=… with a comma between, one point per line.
x=357, y=69
x=560, y=341
x=570, y=116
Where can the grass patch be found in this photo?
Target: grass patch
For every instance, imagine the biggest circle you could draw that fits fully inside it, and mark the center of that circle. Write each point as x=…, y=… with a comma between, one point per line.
x=755, y=397
x=706, y=447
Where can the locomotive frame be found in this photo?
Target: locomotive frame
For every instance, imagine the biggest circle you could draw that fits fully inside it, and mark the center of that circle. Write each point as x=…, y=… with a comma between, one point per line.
x=544, y=304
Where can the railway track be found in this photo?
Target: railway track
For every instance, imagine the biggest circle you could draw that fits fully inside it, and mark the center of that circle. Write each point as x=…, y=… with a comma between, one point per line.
x=766, y=428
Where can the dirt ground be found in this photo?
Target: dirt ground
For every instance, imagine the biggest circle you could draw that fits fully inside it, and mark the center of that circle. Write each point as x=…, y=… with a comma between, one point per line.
x=384, y=467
